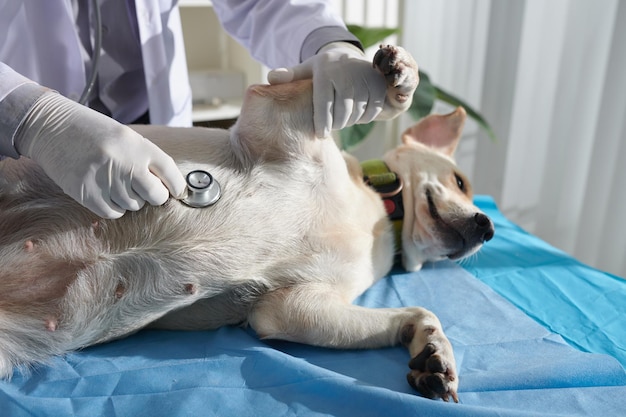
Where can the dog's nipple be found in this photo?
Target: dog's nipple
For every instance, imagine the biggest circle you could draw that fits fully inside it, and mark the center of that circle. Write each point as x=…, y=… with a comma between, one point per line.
x=51, y=324
x=190, y=289
x=119, y=290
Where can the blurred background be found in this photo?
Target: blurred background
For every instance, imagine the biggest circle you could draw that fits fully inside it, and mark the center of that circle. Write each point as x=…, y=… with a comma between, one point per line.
x=548, y=76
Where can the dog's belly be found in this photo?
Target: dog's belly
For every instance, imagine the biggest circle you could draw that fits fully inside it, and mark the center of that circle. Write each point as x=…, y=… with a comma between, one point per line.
x=276, y=225
x=106, y=279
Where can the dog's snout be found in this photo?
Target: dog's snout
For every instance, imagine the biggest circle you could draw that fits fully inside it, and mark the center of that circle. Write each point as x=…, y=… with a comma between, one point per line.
x=485, y=226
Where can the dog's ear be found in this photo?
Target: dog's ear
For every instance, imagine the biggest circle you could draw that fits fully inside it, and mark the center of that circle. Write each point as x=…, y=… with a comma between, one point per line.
x=441, y=132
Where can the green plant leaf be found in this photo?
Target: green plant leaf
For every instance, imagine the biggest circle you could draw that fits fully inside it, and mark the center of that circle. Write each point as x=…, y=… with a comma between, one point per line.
x=351, y=136
x=423, y=98
x=455, y=101
x=371, y=36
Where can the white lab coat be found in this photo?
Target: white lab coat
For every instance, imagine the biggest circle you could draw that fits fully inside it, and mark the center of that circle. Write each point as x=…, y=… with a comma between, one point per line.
x=50, y=52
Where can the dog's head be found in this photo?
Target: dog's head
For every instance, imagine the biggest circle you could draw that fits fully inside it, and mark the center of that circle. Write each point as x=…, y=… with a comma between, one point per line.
x=440, y=219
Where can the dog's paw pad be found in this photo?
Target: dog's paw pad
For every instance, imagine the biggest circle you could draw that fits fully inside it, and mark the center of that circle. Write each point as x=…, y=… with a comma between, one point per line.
x=432, y=376
x=398, y=67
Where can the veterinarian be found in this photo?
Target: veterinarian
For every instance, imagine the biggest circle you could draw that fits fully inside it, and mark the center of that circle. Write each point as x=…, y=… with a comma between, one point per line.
x=125, y=60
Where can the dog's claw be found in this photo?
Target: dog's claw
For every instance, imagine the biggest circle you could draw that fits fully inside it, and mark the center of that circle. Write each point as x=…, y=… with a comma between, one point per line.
x=455, y=396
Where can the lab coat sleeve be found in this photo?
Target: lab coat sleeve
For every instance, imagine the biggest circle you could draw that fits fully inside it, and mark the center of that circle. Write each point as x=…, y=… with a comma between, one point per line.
x=323, y=36
x=17, y=96
x=282, y=33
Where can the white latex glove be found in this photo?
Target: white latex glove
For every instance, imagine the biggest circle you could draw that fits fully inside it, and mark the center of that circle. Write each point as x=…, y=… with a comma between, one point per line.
x=347, y=89
x=104, y=165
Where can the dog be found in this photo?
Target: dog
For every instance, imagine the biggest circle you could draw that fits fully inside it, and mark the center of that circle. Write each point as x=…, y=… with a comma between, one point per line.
x=296, y=236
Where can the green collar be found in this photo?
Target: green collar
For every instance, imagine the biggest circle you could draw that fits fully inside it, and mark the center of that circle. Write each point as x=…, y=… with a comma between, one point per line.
x=388, y=184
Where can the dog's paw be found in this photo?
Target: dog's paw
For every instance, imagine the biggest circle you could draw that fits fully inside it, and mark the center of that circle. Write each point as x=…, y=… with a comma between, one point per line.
x=433, y=374
x=400, y=71
x=433, y=367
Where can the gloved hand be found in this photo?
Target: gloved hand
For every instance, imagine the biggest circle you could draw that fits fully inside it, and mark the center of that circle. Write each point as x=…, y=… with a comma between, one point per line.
x=104, y=165
x=348, y=89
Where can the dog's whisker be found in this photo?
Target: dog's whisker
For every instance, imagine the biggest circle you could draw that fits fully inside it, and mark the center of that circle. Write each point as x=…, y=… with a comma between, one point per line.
x=468, y=260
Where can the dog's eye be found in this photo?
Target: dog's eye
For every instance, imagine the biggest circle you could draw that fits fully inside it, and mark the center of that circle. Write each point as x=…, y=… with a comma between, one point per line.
x=459, y=182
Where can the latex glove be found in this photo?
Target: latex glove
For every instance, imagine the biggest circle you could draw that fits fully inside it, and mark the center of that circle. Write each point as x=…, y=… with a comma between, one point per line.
x=347, y=89
x=104, y=165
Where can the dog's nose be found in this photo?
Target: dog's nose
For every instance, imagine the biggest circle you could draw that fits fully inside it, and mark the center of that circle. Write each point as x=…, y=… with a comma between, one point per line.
x=485, y=226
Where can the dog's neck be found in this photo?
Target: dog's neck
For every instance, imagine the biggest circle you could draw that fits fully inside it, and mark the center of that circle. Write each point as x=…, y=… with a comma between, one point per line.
x=388, y=185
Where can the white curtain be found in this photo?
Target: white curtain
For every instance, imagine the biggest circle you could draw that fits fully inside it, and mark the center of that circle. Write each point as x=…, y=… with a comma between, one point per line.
x=550, y=76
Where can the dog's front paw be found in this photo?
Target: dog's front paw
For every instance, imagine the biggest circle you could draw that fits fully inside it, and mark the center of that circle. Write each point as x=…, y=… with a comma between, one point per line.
x=433, y=375
x=400, y=71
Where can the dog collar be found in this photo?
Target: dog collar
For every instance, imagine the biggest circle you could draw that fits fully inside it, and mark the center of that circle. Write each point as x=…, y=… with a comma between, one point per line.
x=388, y=185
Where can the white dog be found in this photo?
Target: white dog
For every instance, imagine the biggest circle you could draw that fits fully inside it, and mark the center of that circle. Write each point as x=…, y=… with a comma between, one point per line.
x=295, y=237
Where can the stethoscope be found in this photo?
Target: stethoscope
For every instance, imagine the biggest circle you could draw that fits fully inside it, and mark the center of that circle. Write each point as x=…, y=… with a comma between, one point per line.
x=95, y=56
x=202, y=189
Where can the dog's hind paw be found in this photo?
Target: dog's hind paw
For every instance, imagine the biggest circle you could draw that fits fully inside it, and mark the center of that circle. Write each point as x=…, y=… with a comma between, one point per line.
x=400, y=71
x=432, y=375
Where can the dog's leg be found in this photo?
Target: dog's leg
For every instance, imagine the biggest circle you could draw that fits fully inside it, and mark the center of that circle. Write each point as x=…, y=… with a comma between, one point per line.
x=316, y=315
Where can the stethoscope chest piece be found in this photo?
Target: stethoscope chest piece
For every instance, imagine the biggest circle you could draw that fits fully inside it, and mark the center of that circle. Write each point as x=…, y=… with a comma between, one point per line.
x=202, y=189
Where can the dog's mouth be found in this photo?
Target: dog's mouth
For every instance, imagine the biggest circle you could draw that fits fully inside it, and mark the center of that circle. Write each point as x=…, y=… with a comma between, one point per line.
x=456, y=255
x=432, y=208
x=449, y=234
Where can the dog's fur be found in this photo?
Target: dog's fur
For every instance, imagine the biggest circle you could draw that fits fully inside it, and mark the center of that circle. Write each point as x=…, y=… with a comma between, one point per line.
x=296, y=236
